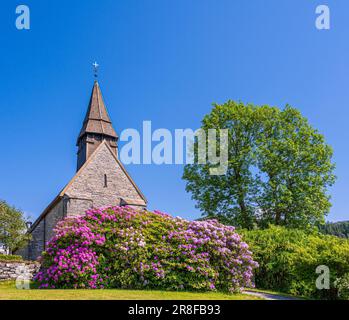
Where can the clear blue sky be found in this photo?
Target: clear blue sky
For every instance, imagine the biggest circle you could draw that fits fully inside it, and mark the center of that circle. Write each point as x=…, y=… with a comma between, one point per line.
x=164, y=61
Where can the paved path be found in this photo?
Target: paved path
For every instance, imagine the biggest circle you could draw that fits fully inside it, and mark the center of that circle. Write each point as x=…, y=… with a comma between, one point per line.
x=268, y=296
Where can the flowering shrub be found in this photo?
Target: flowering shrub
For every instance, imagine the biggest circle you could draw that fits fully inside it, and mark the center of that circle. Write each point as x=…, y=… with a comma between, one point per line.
x=120, y=247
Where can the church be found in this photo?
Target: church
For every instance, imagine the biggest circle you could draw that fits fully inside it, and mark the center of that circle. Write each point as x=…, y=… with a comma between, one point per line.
x=101, y=179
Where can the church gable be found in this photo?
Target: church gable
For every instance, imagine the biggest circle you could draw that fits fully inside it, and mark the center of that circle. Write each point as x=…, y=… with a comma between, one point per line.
x=101, y=181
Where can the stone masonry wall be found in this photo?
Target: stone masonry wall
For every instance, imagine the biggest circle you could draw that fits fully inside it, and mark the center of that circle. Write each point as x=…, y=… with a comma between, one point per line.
x=10, y=270
x=88, y=187
x=43, y=232
x=36, y=244
x=78, y=206
x=56, y=214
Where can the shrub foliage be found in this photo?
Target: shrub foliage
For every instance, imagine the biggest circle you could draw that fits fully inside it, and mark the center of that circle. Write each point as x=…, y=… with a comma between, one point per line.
x=5, y=257
x=288, y=259
x=119, y=247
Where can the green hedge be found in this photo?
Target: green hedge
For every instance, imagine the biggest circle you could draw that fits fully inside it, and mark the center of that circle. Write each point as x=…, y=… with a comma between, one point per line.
x=288, y=259
x=4, y=257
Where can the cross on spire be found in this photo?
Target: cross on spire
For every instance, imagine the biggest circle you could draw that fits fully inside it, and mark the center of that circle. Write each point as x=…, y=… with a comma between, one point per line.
x=95, y=69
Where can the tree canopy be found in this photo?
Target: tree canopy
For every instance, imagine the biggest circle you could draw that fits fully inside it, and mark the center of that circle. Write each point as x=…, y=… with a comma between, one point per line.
x=279, y=169
x=338, y=229
x=12, y=227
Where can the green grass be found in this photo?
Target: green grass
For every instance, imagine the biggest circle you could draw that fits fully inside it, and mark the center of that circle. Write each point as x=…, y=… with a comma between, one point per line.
x=8, y=291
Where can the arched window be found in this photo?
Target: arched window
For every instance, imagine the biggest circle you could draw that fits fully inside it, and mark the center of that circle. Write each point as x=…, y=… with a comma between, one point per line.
x=105, y=181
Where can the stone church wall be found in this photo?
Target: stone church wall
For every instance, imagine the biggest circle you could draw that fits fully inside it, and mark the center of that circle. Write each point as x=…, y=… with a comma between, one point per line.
x=36, y=244
x=76, y=206
x=56, y=214
x=43, y=232
x=88, y=188
x=102, y=182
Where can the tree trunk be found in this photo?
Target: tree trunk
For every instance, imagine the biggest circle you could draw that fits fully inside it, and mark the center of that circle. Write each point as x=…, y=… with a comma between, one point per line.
x=245, y=221
x=277, y=217
x=244, y=214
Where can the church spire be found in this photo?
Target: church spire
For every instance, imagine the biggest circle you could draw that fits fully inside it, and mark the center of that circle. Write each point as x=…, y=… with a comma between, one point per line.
x=96, y=127
x=97, y=119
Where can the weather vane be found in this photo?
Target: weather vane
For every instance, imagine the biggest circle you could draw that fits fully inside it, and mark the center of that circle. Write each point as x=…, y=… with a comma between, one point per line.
x=95, y=69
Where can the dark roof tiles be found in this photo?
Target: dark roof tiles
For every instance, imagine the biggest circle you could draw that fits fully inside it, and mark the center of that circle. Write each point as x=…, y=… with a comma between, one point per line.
x=97, y=119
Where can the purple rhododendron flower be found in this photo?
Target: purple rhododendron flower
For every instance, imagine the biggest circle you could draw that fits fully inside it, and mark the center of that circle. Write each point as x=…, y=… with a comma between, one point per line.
x=121, y=247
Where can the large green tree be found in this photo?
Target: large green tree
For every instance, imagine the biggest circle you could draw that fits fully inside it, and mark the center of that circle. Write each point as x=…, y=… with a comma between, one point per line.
x=229, y=196
x=12, y=227
x=279, y=169
x=296, y=165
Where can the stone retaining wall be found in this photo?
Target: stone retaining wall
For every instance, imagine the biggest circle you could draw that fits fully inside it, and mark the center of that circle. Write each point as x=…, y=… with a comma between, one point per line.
x=10, y=270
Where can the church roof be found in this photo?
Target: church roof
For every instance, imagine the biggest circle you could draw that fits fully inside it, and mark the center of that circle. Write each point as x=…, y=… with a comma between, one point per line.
x=97, y=119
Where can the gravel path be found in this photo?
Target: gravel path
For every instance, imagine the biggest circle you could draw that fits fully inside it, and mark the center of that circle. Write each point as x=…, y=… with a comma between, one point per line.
x=269, y=296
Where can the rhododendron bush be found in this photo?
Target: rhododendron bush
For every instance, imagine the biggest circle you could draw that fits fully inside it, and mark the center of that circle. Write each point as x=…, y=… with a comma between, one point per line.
x=120, y=247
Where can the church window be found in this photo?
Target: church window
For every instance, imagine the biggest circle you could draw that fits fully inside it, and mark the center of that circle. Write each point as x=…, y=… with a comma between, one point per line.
x=105, y=181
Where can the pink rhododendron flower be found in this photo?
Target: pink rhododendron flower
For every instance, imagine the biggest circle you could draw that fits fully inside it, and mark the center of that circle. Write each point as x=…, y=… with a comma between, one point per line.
x=126, y=248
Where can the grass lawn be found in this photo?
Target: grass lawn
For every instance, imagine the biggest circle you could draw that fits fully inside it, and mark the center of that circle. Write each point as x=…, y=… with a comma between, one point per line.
x=8, y=291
